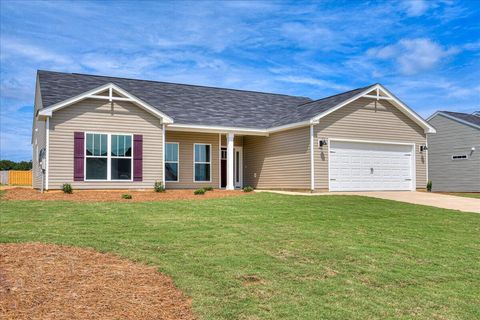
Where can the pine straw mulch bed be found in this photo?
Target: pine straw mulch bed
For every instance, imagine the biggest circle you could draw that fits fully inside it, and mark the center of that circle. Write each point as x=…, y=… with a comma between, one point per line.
x=113, y=195
x=42, y=281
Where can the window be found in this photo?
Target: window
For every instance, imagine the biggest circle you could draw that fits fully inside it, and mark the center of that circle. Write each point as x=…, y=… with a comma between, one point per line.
x=460, y=157
x=202, y=163
x=108, y=157
x=121, y=157
x=96, y=156
x=171, y=161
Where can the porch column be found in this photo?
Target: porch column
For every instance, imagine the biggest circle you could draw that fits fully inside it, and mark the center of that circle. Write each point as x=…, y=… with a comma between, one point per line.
x=230, y=184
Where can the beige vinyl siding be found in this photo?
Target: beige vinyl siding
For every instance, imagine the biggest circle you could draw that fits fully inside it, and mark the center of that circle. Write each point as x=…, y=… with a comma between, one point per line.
x=186, y=141
x=100, y=116
x=280, y=161
x=38, y=140
x=367, y=119
x=453, y=138
x=237, y=141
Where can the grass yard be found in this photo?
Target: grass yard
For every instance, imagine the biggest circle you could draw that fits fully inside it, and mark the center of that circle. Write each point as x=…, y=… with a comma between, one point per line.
x=270, y=256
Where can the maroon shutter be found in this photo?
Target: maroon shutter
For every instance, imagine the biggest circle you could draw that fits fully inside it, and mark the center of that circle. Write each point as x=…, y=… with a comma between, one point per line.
x=137, y=157
x=78, y=155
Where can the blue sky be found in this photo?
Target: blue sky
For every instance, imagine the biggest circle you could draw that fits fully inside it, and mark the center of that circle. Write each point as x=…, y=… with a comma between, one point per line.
x=426, y=52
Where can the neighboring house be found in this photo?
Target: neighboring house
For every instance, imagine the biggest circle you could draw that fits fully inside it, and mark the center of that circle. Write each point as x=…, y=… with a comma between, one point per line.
x=454, y=152
x=105, y=132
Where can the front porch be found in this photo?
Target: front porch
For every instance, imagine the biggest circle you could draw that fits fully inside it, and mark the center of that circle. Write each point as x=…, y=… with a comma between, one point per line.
x=204, y=159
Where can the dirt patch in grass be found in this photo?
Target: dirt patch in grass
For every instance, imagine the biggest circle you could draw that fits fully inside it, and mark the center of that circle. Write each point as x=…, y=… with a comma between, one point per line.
x=40, y=281
x=114, y=195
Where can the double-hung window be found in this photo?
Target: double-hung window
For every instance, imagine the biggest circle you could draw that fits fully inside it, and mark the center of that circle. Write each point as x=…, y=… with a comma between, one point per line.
x=96, y=156
x=121, y=157
x=171, y=161
x=202, y=162
x=108, y=157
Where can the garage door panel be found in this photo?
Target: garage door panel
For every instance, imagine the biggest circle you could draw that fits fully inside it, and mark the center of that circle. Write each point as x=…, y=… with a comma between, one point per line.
x=358, y=166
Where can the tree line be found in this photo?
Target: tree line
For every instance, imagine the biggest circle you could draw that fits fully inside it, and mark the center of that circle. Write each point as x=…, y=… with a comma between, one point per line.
x=12, y=165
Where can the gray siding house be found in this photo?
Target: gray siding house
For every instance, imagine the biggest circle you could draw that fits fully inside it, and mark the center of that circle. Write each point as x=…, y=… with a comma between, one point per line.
x=454, y=152
x=98, y=132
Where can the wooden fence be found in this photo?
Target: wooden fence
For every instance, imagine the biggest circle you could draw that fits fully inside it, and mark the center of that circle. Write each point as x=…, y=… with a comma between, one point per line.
x=18, y=177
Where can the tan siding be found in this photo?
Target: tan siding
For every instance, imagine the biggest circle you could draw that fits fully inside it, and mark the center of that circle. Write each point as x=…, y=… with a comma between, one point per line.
x=38, y=141
x=452, y=138
x=280, y=161
x=366, y=119
x=100, y=116
x=186, y=141
x=237, y=141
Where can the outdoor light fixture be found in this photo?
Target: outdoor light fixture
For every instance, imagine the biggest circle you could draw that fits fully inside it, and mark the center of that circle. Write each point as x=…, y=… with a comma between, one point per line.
x=423, y=148
x=322, y=142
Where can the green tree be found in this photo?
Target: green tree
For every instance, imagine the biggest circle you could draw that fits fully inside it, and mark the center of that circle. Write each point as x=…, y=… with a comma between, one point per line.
x=12, y=165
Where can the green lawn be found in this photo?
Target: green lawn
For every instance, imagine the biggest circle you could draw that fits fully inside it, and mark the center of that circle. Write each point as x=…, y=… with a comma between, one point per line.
x=326, y=257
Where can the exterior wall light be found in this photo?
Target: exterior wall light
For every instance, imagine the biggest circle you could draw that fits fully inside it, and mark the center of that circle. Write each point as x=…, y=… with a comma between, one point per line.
x=423, y=148
x=322, y=142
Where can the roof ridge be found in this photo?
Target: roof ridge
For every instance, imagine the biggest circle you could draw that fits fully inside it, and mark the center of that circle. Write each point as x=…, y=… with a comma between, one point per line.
x=175, y=83
x=337, y=94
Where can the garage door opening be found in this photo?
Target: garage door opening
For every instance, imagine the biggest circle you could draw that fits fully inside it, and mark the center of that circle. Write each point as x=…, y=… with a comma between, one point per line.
x=371, y=166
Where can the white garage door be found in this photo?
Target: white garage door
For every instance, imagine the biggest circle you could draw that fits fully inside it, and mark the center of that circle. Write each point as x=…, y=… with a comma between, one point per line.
x=358, y=166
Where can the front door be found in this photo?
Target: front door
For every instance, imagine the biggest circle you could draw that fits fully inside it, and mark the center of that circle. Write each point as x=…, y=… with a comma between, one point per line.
x=237, y=167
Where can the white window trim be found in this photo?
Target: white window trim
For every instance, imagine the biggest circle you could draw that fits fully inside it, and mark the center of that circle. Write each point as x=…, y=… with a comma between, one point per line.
x=177, y=162
x=210, y=163
x=108, y=157
x=459, y=155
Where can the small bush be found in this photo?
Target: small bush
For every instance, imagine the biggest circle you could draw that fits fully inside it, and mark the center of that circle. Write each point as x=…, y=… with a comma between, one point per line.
x=248, y=189
x=199, y=191
x=126, y=196
x=158, y=186
x=208, y=188
x=429, y=186
x=67, y=188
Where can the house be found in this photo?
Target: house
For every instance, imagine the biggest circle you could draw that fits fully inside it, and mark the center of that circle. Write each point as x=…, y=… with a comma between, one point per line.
x=454, y=152
x=105, y=132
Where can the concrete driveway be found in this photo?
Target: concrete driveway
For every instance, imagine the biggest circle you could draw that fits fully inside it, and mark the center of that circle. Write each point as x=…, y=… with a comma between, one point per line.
x=428, y=199
x=424, y=198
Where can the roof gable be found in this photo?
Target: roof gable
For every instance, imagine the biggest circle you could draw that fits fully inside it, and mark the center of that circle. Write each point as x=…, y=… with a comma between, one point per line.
x=472, y=120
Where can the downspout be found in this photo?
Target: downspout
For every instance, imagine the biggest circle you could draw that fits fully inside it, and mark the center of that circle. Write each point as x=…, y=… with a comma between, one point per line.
x=312, y=159
x=47, y=151
x=163, y=155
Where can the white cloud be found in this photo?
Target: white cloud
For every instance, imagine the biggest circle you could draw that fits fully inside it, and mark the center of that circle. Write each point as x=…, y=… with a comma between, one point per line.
x=12, y=48
x=415, y=8
x=413, y=55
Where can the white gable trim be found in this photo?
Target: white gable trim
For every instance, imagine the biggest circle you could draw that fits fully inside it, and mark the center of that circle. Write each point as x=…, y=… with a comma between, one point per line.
x=440, y=113
x=93, y=94
x=389, y=97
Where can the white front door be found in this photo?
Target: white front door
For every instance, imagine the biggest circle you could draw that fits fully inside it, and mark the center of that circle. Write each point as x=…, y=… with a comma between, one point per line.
x=359, y=166
x=238, y=167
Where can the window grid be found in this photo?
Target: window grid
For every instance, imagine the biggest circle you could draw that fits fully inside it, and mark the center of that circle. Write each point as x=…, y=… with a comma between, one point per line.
x=108, y=155
x=195, y=162
x=177, y=162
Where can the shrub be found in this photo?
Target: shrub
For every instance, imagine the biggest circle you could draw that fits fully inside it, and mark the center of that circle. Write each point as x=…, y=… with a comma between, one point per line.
x=199, y=191
x=208, y=188
x=248, y=189
x=158, y=186
x=429, y=186
x=67, y=188
x=126, y=196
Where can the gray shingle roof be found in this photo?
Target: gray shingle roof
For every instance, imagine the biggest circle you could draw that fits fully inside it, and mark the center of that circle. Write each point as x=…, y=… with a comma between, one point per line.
x=199, y=105
x=470, y=118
